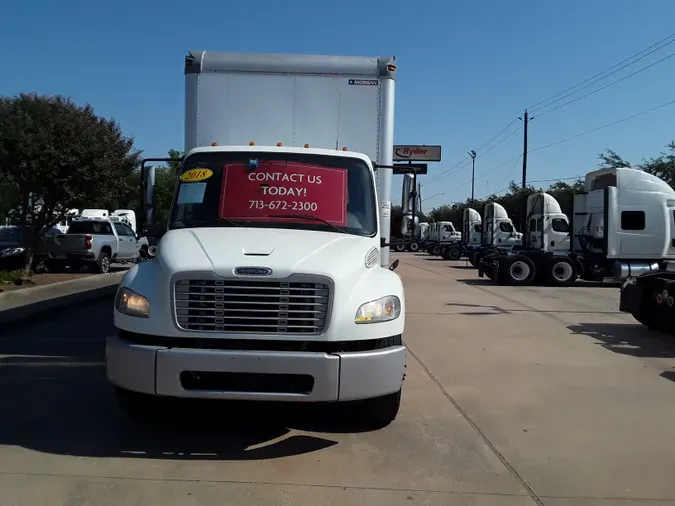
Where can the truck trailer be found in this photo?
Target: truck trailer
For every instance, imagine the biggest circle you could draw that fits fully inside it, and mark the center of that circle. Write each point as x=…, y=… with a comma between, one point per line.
x=272, y=281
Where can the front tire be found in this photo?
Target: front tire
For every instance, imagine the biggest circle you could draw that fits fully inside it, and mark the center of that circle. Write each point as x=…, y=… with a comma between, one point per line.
x=414, y=247
x=381, y=411
x=137, y=406
x=517, y=270
x=454, y=253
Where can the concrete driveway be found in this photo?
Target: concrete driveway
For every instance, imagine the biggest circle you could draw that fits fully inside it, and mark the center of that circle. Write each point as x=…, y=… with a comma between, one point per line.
x=513, y=397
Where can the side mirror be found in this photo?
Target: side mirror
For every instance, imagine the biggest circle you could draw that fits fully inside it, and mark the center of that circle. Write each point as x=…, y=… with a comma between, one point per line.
x=394, y=265
x=148, y=193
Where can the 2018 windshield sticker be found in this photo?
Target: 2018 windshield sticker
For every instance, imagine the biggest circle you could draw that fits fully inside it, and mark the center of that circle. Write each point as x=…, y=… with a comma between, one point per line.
x=295, y=188
x=194, y=175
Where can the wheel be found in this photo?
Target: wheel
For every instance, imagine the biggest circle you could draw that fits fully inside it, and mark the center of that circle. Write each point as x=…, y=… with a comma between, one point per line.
x=561, y=271
x=137, y=406
x=102, y=265
x=436, y=250
x=381, y=411
x=399, y=247
x=517, y=270
x=454, y=253
x=142, y=254
x=414, y=247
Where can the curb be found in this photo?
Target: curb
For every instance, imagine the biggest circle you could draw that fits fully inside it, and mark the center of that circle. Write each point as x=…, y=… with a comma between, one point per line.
x=19, y=305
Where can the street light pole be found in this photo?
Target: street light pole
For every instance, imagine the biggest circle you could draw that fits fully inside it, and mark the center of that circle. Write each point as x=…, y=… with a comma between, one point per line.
x=472, y=154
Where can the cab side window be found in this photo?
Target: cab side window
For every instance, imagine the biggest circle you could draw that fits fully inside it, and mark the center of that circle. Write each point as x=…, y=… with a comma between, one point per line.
x=505, y=227
x=560, y=225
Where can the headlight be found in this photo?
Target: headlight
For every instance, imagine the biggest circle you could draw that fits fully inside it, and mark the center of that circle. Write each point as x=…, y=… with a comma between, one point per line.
x=381, y=310
x=11, y=251
x=130, y=303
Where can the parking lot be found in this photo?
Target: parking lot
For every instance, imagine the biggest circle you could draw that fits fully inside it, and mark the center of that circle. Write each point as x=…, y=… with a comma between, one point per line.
x=513, y=396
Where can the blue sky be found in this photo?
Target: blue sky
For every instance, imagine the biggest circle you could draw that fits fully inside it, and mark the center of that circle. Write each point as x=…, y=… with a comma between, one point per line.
x=465, y=69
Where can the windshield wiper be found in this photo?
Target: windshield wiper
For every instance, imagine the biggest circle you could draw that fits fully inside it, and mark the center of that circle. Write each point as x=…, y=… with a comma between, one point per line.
x=308, y=217
x=210, y=221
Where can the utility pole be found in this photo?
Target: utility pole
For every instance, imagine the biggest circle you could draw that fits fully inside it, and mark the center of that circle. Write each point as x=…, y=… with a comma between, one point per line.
x=472, y=154
x=525, y=119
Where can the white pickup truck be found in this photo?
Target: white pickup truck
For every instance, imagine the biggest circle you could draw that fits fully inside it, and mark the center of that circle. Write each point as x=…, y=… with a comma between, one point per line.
x=92, y=242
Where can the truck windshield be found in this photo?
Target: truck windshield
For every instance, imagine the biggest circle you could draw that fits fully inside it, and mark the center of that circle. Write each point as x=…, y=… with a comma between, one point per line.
x=90, y=227
x=275, y=190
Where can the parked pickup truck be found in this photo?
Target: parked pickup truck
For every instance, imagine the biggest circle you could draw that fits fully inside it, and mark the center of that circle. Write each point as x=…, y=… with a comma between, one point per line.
x=94, y=243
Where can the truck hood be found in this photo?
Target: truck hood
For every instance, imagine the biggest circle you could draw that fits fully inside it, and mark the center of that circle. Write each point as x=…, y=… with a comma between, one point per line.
x=285, y=251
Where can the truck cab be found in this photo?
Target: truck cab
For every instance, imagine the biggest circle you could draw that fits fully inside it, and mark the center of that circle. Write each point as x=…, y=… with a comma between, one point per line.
x=272, y=281
x=498, y=229
x=547, y=227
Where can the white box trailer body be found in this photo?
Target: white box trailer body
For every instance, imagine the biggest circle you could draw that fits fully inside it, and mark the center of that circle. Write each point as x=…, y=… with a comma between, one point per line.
x=303, y=305
x=329, y=102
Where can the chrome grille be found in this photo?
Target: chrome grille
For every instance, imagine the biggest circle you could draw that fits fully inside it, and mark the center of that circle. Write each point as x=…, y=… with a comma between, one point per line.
x=251, y=306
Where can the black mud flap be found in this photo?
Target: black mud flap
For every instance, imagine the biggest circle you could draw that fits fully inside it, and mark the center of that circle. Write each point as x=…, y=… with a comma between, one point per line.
x=631, y=299
x=494, y=265
x=481, y=273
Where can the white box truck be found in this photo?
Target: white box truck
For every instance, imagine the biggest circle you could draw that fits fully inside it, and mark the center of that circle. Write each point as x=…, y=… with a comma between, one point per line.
x=272, y=281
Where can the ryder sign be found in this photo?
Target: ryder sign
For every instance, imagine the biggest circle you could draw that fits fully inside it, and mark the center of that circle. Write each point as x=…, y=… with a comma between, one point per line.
x=417, y=153
x=273, y=189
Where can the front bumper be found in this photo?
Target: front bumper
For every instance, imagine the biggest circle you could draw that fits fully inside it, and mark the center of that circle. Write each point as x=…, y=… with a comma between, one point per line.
x=253, y=374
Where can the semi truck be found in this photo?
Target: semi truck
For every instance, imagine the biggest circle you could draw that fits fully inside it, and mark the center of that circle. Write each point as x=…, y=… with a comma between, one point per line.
x=471, y=237
x=443, y=233
x=498, y=233
x=273, y=280
x=622, y=228
x=544, y=255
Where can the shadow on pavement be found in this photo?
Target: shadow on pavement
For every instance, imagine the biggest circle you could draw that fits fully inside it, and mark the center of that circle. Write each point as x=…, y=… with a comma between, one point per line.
x=628, y=339
x=56, y=399
x=467, y=266
x=477, y=281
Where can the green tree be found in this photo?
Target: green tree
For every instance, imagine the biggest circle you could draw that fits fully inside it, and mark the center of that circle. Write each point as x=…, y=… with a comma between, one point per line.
x=661, y=166
x=55, y=156
x=611, y=160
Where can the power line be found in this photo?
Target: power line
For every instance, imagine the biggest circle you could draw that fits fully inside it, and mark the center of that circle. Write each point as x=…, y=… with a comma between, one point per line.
x=457, y=168
x=496, y=135
x=567, y=139
x=607, y=85
x=671, y=36
x=603, y=126
x=657, y=46
x=555, y=179
x=512, y=168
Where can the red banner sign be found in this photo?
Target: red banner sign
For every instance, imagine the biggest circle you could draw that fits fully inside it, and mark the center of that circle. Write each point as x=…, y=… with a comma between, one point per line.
x=282, y=189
